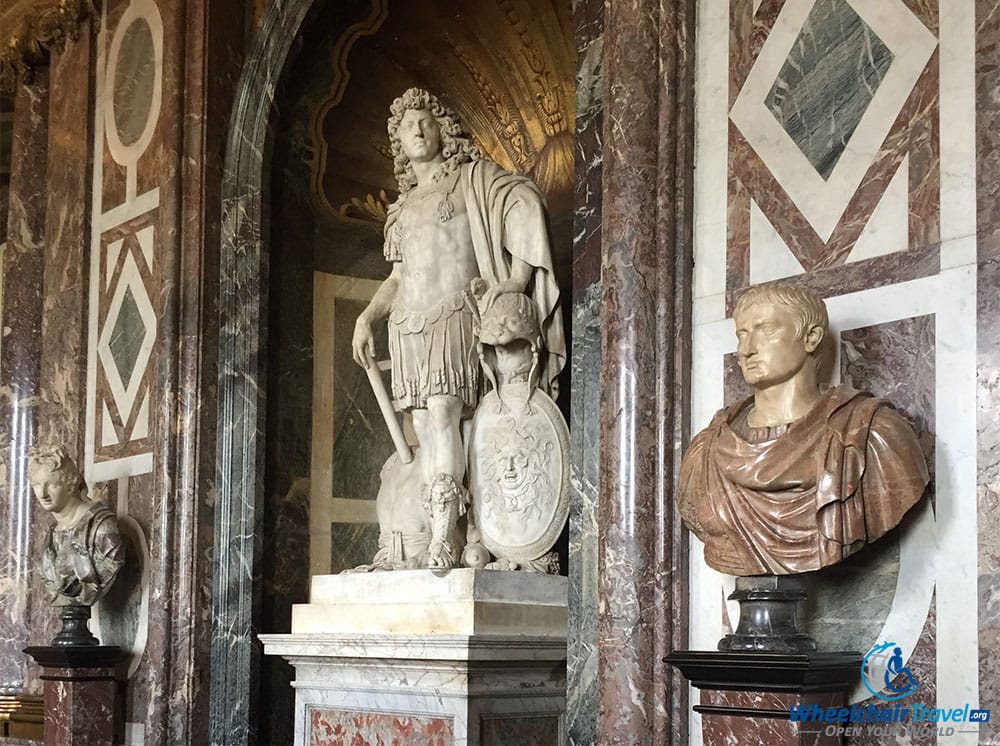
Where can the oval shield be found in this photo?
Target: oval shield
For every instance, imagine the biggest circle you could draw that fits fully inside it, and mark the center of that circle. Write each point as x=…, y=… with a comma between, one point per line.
x=519, y=472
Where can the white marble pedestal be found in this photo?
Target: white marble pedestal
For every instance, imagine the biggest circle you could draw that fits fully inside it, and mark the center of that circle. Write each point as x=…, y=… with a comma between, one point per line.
x=468, y=657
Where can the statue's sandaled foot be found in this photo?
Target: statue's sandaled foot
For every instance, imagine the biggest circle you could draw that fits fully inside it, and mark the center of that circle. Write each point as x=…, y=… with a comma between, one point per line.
x=440, y=556
x=444, y=500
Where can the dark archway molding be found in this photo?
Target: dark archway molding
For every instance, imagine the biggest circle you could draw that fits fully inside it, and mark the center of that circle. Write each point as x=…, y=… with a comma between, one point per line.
x=243, y=302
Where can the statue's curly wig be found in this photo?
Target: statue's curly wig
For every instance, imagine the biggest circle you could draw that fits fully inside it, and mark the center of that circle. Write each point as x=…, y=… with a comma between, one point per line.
x=58, y=461
x=456, y=146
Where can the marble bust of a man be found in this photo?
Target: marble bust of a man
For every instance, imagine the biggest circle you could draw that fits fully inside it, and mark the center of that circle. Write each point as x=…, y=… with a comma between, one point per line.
x=798, y=476
x=83, y=550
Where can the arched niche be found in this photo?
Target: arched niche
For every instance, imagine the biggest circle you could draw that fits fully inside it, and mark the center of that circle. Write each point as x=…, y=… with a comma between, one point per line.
x=495, y=71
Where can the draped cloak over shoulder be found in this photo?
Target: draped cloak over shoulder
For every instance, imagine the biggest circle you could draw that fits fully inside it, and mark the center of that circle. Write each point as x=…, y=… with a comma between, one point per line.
x=838, y=478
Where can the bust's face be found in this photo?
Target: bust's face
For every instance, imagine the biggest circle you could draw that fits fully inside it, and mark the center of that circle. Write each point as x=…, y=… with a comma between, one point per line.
x=52, y=494
x=420, y=135
x=768, y=350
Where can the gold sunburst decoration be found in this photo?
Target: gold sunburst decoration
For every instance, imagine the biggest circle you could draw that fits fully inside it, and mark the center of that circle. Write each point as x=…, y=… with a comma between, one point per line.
x=29, y=29
x=506, y=66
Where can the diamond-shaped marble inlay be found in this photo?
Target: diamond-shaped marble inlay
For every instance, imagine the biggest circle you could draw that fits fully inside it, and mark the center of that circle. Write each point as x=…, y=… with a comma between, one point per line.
x=822, y=199
x=127, y=336
x=126, y=342
x=828, y=79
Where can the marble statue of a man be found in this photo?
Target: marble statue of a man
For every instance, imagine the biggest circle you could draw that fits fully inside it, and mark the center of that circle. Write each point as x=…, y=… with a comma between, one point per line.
x=798, y=476
x=83, y=550
x=461, y=223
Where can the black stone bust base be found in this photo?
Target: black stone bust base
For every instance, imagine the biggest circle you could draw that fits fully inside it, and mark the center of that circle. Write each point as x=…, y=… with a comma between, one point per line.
x=769, y=616
x=76, y=656
x=768, y=672
x=74, y=627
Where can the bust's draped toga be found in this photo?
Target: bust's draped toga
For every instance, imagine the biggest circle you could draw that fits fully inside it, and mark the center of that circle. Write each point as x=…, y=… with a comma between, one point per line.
x=801, y=497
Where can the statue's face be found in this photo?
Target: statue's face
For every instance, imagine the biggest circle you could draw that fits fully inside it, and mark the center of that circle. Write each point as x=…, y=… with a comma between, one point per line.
x=420, y=135
x=769, y=350
x=52, y=494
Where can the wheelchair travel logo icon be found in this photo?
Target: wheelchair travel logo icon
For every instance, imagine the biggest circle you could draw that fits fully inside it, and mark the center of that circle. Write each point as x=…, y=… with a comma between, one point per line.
x=884, y=675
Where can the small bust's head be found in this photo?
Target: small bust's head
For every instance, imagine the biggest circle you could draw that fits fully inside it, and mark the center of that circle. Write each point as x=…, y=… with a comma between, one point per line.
x=780, y=328
x=420, y=129
x=55, y=478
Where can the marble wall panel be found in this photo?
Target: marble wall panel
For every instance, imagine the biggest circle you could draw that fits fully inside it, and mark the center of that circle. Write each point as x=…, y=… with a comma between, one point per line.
x=988, y=490
x=893, y=251
x=581, y=690
x=585, y=348
x=243, y=321
x=589, y=18
x=988, y=128
x=922, y=665
x=988, y=354
x=777, y=194
x=352, y=544
x=19, y=369
x=581, y=686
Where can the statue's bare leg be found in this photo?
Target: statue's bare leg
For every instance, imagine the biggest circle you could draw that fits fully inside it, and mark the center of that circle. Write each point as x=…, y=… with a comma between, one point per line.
x=438, y=428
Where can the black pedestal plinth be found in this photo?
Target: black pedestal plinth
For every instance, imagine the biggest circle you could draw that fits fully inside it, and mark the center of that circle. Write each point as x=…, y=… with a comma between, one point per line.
x=746, y=697
x=769, y=611
x=76, y=656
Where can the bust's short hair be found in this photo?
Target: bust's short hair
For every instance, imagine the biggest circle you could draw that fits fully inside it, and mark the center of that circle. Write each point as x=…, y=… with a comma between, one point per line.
x=57, y=459
x=806, y=306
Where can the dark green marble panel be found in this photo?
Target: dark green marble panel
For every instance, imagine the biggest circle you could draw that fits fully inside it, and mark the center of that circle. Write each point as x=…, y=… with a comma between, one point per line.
x=827, y=82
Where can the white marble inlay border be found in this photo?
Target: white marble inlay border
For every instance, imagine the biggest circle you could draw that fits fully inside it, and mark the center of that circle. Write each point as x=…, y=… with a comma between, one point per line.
x=711, y=177
x=107, y=218
x=822, y=202
x=957, y=141
x=770, y=257
x=888, y=229
x=146, y=12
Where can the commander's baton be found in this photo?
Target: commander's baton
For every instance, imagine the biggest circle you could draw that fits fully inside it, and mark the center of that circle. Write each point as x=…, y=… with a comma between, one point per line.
x=388, y=413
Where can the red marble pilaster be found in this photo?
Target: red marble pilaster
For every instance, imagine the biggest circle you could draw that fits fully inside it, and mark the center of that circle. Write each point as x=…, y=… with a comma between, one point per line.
x=19, y=366
x=67, y=234
x=645, y=231
x=988, y=356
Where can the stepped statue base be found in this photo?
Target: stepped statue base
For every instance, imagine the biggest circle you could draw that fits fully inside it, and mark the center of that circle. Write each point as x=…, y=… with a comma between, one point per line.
x=467, y=657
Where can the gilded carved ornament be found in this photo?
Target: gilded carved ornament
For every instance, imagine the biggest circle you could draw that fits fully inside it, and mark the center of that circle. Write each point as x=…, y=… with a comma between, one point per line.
x=30, y=29
x=518, y=90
